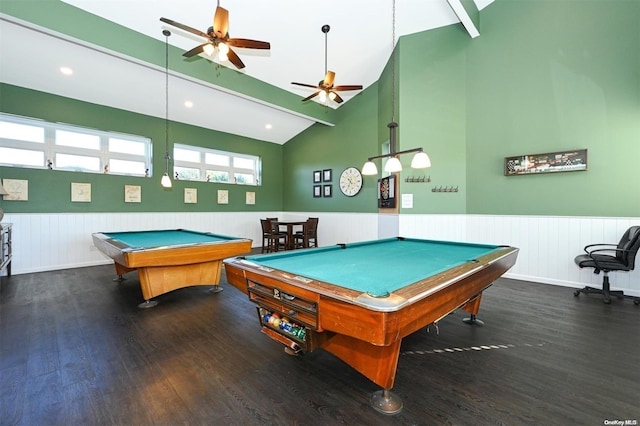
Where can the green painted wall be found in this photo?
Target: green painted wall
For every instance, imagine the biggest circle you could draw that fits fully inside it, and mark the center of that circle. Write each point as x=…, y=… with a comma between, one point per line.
x=433, y=116
x=349, y=143
x=548, y=76
x=50, y=190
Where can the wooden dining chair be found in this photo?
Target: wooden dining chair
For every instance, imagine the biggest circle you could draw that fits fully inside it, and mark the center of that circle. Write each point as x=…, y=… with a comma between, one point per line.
x=308, y=237
x=272, y=239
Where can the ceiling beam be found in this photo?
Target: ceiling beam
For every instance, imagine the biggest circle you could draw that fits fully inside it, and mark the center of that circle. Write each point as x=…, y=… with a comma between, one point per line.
x=464, y=17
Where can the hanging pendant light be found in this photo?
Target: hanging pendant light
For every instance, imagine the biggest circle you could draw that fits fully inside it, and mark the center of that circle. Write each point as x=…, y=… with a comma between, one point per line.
x=393, y=165
x=166, y=179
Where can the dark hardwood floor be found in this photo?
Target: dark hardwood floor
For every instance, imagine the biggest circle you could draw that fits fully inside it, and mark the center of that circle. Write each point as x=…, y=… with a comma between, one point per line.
x=76, y=350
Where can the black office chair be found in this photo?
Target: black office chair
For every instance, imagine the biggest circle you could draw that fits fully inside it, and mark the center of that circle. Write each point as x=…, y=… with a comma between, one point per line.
x=621, y=257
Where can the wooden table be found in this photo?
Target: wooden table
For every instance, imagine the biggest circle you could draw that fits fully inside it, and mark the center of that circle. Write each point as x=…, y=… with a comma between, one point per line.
x=290, y=225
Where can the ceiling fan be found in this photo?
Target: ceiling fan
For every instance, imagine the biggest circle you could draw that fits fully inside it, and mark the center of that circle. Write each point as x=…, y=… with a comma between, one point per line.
x=325, y=88
x=218, y=39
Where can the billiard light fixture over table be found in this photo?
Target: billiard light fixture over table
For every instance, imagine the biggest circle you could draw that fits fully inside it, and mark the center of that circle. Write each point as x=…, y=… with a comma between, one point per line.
x=420, y=161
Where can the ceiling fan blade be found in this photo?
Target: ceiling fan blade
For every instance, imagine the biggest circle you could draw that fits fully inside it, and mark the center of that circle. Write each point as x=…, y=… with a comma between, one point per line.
x=337, y=99
x=195, y=51
x=235, y=59
x=184, y=27
x=328, y=79
x=248, y=44
x=221, y=22
x=311, y=96
x=305, y=85
x=347, y=87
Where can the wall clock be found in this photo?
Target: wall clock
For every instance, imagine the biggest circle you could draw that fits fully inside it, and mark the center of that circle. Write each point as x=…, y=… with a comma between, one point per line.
x=350, y=181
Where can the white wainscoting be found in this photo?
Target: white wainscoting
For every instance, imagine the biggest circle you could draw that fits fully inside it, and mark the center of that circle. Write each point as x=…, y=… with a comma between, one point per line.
x=45, y=242
x=548, y=244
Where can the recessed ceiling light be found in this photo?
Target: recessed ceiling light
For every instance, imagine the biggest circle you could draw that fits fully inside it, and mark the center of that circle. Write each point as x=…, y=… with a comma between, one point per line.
x=66, y=70
x=268, y=126
x=188, y=104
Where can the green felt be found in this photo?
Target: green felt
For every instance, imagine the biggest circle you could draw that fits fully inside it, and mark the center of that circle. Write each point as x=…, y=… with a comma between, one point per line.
x=376, y=267
x=148, y=239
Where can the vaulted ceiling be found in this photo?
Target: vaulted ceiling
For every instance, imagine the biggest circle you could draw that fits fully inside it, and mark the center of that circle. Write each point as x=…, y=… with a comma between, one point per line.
x=258, y=101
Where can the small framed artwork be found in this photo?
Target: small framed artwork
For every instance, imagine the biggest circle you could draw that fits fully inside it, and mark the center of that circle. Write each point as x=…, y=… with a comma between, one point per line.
x=550, y=162
x=326, y=175
x=326, y=190
x=317, y=176
x=223, y=196
x=132, y=193
x=317, y=191
x=250, y=198
x=80, y=192
x=18, y=189
x=190, y=195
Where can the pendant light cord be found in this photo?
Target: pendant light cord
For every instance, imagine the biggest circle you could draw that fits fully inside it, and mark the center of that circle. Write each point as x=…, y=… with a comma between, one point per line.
x=166, y=96
x=393, y=63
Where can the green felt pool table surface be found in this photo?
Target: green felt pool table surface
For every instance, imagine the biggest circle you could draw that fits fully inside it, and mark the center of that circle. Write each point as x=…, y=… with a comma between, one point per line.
x=376, y=267
x=163, y=238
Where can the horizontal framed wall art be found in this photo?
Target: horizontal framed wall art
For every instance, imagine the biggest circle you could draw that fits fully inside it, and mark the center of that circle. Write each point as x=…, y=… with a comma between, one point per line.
x=550, y=162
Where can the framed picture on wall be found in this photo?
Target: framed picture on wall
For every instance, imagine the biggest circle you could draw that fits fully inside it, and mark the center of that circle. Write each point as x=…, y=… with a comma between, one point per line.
x=326, y=190
x=326, y=175
x=317, y=176
x=550, y=162
x=317, y=191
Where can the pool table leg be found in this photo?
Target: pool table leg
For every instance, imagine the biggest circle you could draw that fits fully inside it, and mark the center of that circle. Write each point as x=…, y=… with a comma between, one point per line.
x=147, y=304
x=120, y=271
x=215, y=289
x=473, y=306
x=386, y=402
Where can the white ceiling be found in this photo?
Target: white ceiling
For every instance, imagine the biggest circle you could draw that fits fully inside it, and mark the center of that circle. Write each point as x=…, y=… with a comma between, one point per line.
x=359, y=45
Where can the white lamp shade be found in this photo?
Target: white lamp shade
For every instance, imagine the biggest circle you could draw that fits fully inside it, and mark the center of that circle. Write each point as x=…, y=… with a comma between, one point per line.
x=369, y=168
x=223, y=48
x=393, y=165
x=166, y=181
x=209, y=49
x=421, y=161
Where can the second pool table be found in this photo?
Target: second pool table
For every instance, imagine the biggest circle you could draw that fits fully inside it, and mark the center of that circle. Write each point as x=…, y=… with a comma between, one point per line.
x=358, y=301
x=167, y=260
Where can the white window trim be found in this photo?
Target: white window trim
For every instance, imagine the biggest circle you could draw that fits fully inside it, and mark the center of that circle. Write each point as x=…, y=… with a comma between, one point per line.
x=50, y=148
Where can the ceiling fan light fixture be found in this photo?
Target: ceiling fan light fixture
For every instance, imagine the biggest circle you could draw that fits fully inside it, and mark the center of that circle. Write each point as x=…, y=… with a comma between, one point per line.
x=421, y=161
x=223, y=48
x=209, y=49
x=323, y=96
x=332, y=95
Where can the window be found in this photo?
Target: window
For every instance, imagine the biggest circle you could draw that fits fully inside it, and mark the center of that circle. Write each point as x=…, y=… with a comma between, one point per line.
x=195, y=163
x=27, y=142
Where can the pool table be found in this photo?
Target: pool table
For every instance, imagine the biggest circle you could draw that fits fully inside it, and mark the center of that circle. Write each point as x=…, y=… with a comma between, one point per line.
x=167, y=260
x=357, y=301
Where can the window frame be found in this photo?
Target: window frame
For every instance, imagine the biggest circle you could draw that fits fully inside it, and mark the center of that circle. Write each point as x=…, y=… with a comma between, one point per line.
x=204, y=167
x=50, y=148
